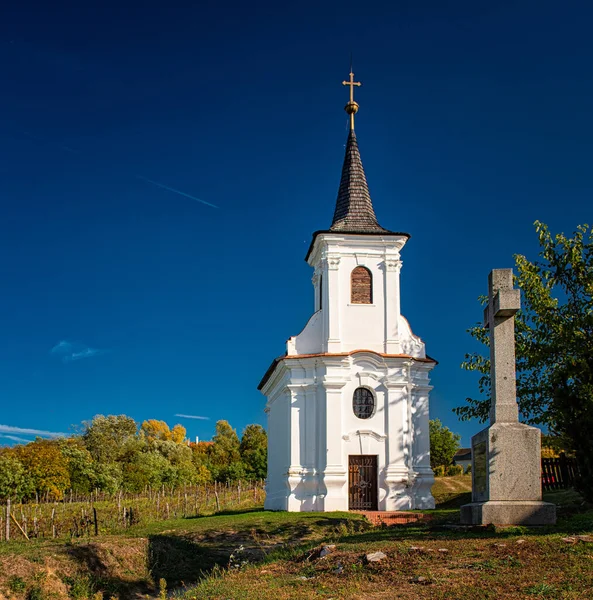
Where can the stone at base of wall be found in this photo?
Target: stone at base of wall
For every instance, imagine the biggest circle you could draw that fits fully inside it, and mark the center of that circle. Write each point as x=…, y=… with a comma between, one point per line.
x=514, y=512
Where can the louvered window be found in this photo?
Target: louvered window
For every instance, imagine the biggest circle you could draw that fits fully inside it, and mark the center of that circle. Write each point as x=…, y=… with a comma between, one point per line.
x=361, y=282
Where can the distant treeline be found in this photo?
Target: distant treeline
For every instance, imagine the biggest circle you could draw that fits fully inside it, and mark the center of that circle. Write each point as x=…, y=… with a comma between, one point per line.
x=113, y=453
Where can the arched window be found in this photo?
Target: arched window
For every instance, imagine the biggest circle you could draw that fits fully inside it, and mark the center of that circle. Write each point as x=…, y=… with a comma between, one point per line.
x=361, y=282
x=363, y=403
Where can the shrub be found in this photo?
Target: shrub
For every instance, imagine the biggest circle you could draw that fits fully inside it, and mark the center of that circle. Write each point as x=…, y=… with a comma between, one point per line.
x=454, y=470
x=468, y=471
x=17, y=584
x=439, y=471
x=81, y=587
x=36, y=593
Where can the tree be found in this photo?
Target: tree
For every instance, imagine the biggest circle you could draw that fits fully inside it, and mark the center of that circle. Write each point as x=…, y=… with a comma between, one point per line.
x=159, y=430
x=47, y=467
x=443, y=444
x=554, y=345
x=81, y=466
x=147, y=469
x=107, y=438
x=14, y=482
x=254, y=451
x=225, y=457
x=180, y=458
x=201, y=460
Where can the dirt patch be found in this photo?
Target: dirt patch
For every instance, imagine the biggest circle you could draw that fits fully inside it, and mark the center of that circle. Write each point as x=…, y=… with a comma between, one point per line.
x=51, y=570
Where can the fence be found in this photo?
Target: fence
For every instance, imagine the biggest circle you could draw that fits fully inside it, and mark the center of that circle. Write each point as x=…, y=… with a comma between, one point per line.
x=88, y=515
x=558, y=473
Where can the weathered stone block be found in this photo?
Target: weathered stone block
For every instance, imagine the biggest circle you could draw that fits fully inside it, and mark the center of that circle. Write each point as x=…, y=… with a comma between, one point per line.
x=508, y=513
x=506, y=302
x=510, y=469
x=506, y=478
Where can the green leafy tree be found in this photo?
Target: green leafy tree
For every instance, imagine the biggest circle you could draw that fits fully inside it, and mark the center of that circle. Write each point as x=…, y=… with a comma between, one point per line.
x=443, y=444
x=180, y=457
x=225, y=455
x=14, y=482
x=147, y=469
x=554, y=345
x=108, y=438
x=81, y=466
x=109, y=476
x=254, y=451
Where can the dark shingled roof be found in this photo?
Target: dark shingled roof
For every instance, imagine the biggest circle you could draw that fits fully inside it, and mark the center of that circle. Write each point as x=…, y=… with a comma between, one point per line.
x=354, y=208
x=354, y=212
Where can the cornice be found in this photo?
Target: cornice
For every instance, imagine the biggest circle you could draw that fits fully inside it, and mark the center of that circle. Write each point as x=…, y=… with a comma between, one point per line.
x=410, y=360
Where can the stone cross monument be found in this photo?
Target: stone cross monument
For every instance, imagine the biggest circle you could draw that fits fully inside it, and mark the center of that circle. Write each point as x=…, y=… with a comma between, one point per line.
x=506, y=456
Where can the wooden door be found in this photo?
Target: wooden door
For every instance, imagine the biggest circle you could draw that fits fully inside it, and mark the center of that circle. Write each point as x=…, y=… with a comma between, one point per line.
x=362, y=482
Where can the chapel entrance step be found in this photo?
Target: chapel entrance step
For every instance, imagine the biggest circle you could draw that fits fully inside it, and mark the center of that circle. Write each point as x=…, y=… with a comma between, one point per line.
x=388, y=518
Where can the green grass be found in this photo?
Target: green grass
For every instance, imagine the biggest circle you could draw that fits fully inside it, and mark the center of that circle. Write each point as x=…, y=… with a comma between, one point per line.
x=452, y=492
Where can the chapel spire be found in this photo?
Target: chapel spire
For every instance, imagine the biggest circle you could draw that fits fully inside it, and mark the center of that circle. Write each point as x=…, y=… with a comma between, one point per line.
x=354, y=209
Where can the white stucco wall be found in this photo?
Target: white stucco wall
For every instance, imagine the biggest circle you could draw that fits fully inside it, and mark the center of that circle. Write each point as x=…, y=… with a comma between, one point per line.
x=341, y=326
x=312, y=427
x=311, y=405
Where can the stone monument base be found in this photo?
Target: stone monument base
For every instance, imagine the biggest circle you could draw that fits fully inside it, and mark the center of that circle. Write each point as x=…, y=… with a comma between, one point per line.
x=513, y=512
x=506, y=478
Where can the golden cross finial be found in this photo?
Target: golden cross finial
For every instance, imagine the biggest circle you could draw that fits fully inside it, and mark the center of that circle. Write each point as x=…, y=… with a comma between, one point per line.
x=352, y=107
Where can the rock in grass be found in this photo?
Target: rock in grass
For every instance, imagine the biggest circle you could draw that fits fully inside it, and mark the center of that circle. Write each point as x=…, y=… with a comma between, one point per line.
x=585, y=538
x=520, y=541
x=327, y=549
x=570, y=540
x=420, y=579
x=373, y=557
x=443, y=550
x=416, y=548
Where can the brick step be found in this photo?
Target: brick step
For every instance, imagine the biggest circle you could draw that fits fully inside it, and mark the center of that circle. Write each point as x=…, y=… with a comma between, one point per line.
x=388, y=518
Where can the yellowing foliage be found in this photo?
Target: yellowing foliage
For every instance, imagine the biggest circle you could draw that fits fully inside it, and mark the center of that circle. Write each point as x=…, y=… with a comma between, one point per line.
x=549, y=453
x=46, y=466
x=153, y=430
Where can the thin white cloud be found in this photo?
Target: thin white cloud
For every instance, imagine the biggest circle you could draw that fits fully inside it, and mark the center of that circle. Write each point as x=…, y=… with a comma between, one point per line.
x=69, y=351
x=15, y=438
x=193, y=417
x=9, y=429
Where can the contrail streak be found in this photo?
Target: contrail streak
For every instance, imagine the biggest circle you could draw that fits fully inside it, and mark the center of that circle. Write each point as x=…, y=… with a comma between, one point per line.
x=79, y=152
x=170, y=189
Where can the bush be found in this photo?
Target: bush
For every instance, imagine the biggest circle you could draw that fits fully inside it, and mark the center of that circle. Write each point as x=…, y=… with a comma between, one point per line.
x=439, y=471
x=36, y=593
x=454, y=470
x=468, y=471
x=17, y=584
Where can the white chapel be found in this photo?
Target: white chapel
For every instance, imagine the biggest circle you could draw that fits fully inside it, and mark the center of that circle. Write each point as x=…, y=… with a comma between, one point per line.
x=347, y=404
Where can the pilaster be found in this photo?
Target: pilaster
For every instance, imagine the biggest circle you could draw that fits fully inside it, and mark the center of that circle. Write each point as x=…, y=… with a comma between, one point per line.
x=333, y=304
x=335, y=472
x=391, y=269
x=422, y=476
x=396, y=472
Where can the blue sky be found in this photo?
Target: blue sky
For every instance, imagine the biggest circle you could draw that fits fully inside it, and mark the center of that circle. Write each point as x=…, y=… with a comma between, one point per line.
x=121, y=296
